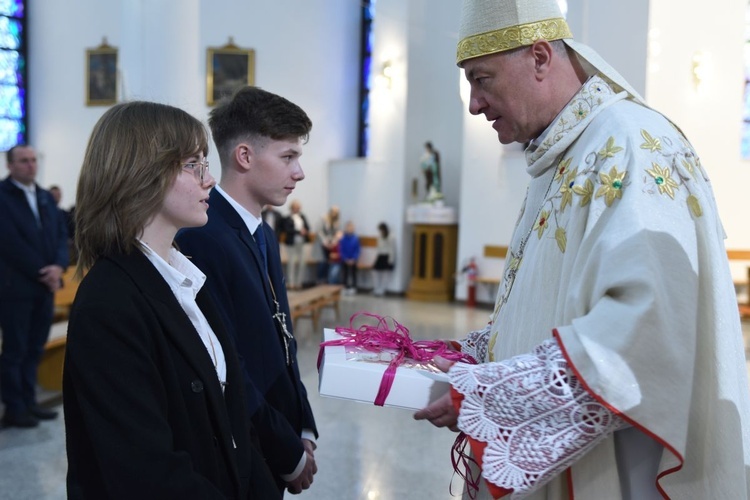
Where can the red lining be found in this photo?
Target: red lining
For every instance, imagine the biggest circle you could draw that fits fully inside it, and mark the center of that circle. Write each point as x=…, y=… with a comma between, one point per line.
x=571, y=493
x=622, y=416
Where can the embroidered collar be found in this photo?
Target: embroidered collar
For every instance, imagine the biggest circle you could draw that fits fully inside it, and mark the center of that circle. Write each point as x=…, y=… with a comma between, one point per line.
x=594, y=96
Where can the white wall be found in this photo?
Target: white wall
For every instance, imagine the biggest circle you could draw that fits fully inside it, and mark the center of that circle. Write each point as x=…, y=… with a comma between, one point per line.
x=710, y=117
x=419, y=38
x=305, y=51
x=312, y=58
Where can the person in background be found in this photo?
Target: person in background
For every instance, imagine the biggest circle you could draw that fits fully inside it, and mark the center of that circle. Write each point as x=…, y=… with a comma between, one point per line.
x=68, y=217
x=296, y=233
x=259, y=137
x=152, y=386
x=613, y=365
x=385, y=259
x=274, y=219
x=325, y=240
x=349, y=250
x=334, y=260
x=33, y=257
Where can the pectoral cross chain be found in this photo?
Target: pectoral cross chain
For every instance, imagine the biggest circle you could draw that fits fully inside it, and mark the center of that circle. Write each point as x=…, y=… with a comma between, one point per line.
x=287, y=336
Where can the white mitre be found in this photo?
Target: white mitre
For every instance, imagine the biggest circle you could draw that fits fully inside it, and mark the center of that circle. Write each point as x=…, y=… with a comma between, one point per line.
x=492, y=26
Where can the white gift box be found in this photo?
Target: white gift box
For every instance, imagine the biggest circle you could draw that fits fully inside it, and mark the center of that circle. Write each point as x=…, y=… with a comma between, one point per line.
x=355, y=373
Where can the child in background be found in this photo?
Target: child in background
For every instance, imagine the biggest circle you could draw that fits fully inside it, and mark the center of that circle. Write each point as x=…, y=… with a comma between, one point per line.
x=385, y=260
x=334, y=260
x=349, y=249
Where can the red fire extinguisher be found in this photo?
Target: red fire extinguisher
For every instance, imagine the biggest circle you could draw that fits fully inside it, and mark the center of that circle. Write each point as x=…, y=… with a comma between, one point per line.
x=471, y=272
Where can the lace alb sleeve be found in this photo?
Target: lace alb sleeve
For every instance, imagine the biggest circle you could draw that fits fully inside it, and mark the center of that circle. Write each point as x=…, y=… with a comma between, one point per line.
x=476, y=344
x=534, y=415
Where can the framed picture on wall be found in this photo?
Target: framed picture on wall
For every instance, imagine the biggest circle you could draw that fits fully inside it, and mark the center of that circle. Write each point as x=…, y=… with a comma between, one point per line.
x=101, y=75
x=228, y=68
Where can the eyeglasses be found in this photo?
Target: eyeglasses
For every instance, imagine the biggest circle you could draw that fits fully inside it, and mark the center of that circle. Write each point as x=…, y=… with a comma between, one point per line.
x=199, y=169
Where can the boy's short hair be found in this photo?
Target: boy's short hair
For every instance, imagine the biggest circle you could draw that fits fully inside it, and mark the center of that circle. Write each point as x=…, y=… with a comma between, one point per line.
x=254, y=115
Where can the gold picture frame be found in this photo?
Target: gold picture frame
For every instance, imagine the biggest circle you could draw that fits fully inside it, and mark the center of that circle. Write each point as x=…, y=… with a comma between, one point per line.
x=101, y=75
x=227, y=69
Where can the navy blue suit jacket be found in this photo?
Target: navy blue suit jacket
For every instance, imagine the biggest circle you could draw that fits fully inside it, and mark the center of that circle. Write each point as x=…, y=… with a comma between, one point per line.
x=25, y=248
x=225, y=250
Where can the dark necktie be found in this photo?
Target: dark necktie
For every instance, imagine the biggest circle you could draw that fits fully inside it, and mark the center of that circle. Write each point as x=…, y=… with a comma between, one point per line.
x=260, y=239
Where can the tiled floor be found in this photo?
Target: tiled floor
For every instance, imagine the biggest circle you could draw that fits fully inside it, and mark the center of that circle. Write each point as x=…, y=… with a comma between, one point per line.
x=364, y=453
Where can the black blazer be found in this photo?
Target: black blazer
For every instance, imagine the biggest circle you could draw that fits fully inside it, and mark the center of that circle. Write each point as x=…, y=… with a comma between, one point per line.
x=290, y=231
x=225, y=250
x=24, y=246
x=144, y=412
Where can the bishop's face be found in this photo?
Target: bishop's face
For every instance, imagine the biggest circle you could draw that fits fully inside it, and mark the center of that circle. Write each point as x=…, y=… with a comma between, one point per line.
x=504, y=89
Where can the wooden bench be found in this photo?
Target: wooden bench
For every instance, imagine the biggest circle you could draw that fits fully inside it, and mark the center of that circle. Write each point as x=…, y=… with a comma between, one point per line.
x=492, y=251
x=742, y=256
x=310, y=301
x=734, y=256
x=49, y=372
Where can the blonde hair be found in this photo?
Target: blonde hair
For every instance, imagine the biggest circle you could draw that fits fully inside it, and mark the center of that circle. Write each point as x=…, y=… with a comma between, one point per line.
x=132, y=158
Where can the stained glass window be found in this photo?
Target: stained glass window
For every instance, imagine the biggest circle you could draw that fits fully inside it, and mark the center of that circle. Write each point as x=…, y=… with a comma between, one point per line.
x=745, y=141
x=365, y=81
x=12, y=74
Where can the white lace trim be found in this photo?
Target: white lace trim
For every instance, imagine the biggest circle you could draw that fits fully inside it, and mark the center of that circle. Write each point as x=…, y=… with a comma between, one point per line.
x=534, y=415
x=476, y=344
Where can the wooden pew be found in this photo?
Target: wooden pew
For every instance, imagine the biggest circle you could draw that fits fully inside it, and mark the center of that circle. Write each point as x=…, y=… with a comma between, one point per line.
x=310, y=302
x=734, y=256
x=742, y=255
x=64, y=296
x=492, y=251
x=49, y=372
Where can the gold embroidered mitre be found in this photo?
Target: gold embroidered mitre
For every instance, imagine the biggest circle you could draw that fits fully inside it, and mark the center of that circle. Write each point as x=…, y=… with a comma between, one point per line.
x=494, y=26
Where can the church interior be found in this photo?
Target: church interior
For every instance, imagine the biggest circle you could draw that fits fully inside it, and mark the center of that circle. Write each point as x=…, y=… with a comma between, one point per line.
x=363, y=156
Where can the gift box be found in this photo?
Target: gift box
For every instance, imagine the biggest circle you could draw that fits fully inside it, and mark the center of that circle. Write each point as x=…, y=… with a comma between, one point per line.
x=356, y=373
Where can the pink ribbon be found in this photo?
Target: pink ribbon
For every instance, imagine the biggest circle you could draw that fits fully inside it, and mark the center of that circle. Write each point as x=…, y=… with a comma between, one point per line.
x=381, y=336
x=461, y=461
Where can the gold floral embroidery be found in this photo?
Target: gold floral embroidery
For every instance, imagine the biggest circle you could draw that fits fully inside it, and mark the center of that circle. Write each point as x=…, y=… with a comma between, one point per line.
x=688, y=166
x=694, y=205
x=561, y=238
x=567, y=189
x=542, y=223
x=581, y=112
x=653, y=144
x=611, y=187
x=585, y=192
x=610, y=149
x=592, y=95
x=662, y=178
x=562, y=168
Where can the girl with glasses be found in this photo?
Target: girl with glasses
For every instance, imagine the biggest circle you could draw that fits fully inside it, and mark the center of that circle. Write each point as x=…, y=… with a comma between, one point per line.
x=152, y=388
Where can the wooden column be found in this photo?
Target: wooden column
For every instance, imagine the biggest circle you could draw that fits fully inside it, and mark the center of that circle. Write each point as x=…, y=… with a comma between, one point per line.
x=434, y=262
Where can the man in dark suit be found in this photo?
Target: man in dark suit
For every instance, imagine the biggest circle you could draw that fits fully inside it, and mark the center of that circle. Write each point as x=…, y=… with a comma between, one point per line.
x=33, y=256
x=259, y=138
x=273, y=218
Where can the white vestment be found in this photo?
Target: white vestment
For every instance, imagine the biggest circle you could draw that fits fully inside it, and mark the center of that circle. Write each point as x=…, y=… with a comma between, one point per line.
x=618, y=255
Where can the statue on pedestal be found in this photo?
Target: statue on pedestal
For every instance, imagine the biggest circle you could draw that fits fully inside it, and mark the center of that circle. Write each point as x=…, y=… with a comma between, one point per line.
x=430, y=165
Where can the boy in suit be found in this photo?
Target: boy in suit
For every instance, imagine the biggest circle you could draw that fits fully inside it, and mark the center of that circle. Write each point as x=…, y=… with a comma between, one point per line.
x=259, y=138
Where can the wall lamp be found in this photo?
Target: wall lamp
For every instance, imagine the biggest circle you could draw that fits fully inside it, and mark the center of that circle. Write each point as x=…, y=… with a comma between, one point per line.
x=386, y=73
